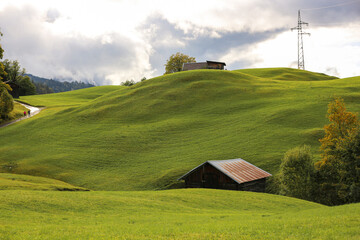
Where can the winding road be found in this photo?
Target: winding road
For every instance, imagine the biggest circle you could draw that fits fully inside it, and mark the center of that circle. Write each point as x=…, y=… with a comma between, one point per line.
x=33, y=112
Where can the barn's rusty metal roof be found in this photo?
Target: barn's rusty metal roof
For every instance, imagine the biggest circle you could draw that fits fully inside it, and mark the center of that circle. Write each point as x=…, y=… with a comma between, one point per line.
x=239, y=170
x=216, y=62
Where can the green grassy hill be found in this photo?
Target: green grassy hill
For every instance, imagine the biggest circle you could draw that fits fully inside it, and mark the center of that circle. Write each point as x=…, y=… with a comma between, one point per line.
x=10, y=181
x=145, y=136
x=287, y=74
x=73, y=98
x=172, y=214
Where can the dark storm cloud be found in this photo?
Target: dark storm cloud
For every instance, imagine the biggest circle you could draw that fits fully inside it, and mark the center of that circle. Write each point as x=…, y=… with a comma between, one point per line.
x=203, y=44
x=72, y=57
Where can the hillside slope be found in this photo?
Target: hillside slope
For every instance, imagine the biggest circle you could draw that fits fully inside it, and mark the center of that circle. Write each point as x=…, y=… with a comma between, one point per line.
x=147, y=135
x=10, y=181
x=287, y=74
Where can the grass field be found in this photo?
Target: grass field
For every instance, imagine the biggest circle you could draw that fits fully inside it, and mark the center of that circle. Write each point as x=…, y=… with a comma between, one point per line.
x=72, y=98
x=10, y=181
x=145, y=136
x=171, y=214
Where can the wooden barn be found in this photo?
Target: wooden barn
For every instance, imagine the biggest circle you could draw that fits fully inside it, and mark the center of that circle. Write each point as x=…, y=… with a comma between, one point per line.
x=204, y=65
x=234, y=174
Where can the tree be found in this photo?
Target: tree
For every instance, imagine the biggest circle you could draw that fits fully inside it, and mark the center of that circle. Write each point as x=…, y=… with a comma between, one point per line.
x=42, y=88
x=26, y=86
x=2, y=71
x=128, y=83
x=13, y=71
x=176, y=61
x=6, y=101
x=15, y=76
x=339, y=168
x=296, y=173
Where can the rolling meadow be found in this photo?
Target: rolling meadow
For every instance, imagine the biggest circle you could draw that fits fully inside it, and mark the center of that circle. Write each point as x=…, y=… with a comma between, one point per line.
x=92, y=163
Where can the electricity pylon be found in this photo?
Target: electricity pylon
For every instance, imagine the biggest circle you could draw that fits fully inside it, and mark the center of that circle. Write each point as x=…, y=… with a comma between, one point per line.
x=301, y=60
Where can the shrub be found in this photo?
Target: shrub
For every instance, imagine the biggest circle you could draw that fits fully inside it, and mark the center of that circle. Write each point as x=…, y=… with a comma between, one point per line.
x=128, y=83
x=6, y=103
x=296, y=176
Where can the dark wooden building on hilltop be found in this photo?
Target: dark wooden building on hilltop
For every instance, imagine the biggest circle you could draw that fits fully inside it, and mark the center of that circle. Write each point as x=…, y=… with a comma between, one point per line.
x=234, y=174
x=203, y=65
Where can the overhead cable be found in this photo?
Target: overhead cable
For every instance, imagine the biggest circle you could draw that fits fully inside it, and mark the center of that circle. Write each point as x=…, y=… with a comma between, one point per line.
x=336, y=5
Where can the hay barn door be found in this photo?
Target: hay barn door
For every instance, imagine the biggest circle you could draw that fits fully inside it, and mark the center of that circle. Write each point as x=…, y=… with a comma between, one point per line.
x=211, y=180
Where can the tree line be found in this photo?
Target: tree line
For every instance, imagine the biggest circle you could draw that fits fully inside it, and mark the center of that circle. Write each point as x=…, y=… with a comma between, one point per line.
x=6, y=100
x=44, y=85
x=15, y=77
x=335, y=179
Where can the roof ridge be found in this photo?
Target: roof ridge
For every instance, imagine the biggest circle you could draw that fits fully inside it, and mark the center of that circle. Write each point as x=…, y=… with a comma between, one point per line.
x=245, y=172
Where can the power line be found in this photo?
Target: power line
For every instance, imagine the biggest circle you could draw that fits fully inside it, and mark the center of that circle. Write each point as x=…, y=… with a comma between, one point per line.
x=334, y=24
x=301, y=59
x=321, y=24
x=336, y=5
x=299, y=28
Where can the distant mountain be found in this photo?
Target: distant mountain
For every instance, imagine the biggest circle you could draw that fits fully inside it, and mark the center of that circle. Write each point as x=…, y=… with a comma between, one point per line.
x=58, y=86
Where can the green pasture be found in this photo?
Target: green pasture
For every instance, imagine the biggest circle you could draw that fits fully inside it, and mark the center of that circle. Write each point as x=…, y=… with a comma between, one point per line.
x=72, y=98
x=171, y=214
x=145, y=136
x=10, y=181
x=287, y=74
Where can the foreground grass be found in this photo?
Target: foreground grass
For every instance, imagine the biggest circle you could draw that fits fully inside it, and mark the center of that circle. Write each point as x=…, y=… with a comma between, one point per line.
x=172, y=214
x=147, y=135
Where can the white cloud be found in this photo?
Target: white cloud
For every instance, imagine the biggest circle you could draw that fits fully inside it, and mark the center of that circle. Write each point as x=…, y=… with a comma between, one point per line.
x=274, y=52
x=106, y=41
x=334, y=48
x=103, y=59
x=94, y=17
x=328, y=50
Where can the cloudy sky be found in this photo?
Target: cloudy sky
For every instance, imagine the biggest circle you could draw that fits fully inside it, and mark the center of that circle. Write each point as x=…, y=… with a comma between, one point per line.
x=110, y=41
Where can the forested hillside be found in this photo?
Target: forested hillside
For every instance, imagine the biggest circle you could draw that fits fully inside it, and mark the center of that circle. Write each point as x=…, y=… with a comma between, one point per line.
x=58, y=86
